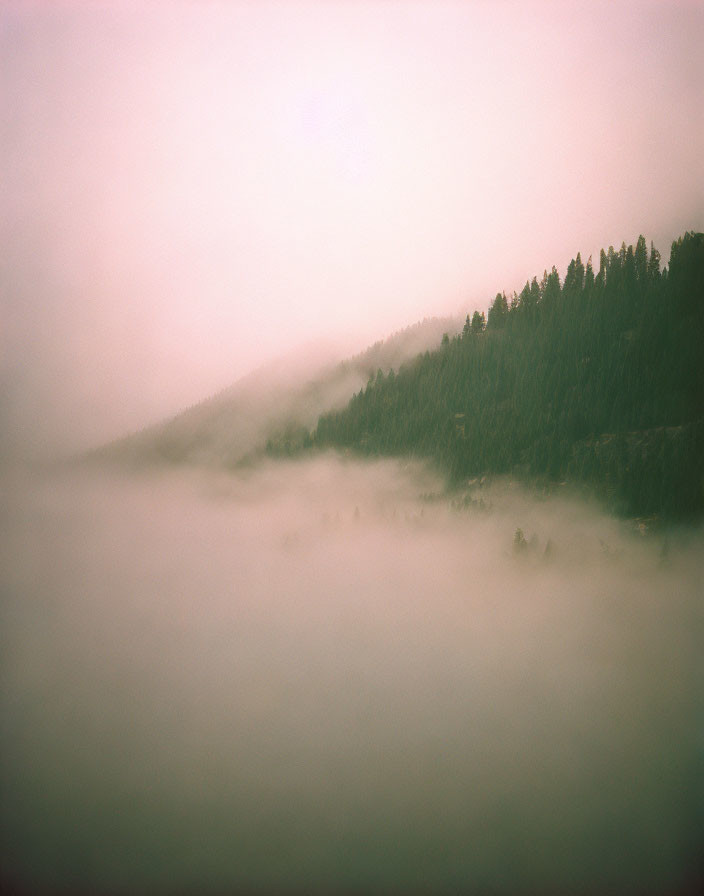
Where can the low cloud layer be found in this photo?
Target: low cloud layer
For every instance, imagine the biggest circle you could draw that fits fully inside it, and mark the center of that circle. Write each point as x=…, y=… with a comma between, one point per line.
x=323, y=674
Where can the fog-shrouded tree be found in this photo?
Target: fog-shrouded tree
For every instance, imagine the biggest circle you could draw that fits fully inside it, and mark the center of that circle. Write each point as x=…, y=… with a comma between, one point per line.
x=478, y=322
x=498, y=312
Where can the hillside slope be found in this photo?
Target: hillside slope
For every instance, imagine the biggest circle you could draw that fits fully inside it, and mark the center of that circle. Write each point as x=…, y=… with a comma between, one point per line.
x=227, y=429
x=598, y=380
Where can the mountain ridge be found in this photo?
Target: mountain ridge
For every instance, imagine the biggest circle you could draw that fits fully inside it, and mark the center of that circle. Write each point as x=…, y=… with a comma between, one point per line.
x=597, y=380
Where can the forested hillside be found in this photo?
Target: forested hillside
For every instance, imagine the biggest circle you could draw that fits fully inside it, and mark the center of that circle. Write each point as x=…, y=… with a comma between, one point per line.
x=278, y=402
x=597, y=380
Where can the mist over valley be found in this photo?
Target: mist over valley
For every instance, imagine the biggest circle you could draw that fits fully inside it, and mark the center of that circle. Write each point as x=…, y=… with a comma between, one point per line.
x=328, y=675
x=325, y=631
x=338, y=630
x=297, y=595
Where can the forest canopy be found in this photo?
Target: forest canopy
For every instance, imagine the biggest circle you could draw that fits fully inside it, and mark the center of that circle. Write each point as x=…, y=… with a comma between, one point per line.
x=597, y=380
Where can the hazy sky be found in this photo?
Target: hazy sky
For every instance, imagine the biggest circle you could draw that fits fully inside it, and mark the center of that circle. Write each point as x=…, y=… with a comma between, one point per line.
x=191, y=188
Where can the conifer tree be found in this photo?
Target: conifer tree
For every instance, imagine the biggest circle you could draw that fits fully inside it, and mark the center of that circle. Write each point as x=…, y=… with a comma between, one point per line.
x=498, y=313
x=641, y=259
x=653, y=263
x=478, y=322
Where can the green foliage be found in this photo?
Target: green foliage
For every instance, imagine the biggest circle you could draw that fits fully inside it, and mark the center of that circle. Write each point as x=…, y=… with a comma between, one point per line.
x=498, y=313
x=478, y=323
x=598, y=380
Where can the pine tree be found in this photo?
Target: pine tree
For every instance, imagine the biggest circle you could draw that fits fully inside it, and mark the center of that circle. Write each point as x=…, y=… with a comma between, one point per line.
x=654, y=263
x=641, y=259
x=498, y=313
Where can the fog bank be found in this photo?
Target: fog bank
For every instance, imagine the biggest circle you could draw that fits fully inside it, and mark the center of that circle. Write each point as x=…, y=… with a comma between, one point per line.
x=320, y=675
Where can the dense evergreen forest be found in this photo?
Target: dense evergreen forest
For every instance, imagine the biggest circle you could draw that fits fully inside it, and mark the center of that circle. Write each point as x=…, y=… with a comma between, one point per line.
x=597, y=381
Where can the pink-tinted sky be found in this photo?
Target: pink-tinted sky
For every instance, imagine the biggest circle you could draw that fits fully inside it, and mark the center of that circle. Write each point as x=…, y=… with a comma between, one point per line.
x=191, y=188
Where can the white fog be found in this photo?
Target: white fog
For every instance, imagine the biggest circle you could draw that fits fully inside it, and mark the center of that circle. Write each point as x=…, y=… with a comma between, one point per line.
x=225, y=674
x=321, y=676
